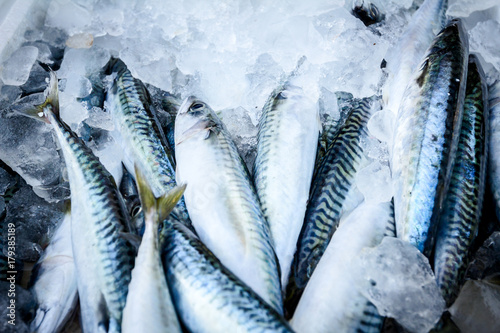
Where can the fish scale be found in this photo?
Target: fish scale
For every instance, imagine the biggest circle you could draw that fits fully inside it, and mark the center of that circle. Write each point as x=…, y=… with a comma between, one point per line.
x=208, y=297
x=426, y=137
x=463, y=203
x=331, y=186
x=286, y=147
x=222, y=202
x=103, y=258
x=141, y=137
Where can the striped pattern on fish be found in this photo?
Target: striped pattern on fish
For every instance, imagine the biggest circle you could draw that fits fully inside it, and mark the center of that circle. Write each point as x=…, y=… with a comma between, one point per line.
x=286, y=150
x=333, y=299
x=222, y=202
x=463, y=204
x=426, y=137
x=103, y=258
x=141, y=136
x=330, y=188
x=208, y=296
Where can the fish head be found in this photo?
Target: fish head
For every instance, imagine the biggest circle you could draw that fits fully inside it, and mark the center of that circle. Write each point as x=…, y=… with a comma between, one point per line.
x=195, y=120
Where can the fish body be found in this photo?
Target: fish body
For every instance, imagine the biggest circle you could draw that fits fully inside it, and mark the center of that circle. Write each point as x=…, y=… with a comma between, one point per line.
x=141, y=138
x=333, y=299
x=53, y=282
x=463, y=203
x=426, y=137
x=222, y=203
x=330, y=197
x=149, y=307
x=103, y=258
x=286, y=150
x=207, y=295
x=404, y=58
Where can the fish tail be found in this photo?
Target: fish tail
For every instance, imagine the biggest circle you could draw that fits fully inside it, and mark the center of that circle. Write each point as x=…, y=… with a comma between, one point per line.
x=50, y=105
x=160, y=207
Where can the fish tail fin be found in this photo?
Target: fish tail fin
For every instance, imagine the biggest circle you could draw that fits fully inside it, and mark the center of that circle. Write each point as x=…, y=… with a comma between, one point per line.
x=51, y=103
x=156, y=210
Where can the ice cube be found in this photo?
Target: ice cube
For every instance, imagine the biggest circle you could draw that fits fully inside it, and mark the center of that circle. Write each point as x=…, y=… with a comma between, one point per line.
x=28, y=147
x=8, y=95
x=477, y=307
x=37, y=81
x=16, y=69
x=83, y=62
x=482, y=43
x=380, y=125
x=374, y=181
x=463, y=8
x=400, y=283
x=80, y=41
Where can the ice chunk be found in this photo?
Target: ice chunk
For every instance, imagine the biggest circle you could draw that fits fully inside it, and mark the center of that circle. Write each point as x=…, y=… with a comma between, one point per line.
x=83, y=62
x=6, y=180
x=243, y=132
x=69, y=16
x=8, y=95
x=477, y=308
x=37, y=81
x=401, y=284
x=374, y=181
x=380, y=125
x=16, y=69
x=28, y=147
x=35, y=220
x=98, y=118
x=482, y=43
x=463, y=8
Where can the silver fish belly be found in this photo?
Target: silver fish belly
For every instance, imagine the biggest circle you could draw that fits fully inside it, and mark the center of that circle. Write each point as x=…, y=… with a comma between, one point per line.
x=222, y=203
x=333, y=300
x=286, y=150
x=329, y=197
x=426, y=136
x=463, y=203
x=207, y=296
x=54, y=282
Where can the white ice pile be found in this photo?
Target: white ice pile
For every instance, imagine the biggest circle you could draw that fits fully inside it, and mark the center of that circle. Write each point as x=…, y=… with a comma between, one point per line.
x=399, y=282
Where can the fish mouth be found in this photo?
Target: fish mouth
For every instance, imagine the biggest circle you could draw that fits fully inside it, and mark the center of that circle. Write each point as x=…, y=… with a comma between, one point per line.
x=184, y=108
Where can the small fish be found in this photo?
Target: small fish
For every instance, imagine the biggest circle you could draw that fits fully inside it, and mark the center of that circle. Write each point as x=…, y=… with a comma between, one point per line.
x=426, y=137
x=140, y=133
x=333, y=301
x=330, y=197
x=463, y=203
x=53, y=282
x=286, y=151
x=103, y=258
x=208, y=296
x=149, y=307
x=404, y=57
x=222, y=202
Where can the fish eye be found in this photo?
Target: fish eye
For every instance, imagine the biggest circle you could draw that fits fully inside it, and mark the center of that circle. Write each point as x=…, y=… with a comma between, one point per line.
x=135, y=210
x=374, y=10
x=196, y=107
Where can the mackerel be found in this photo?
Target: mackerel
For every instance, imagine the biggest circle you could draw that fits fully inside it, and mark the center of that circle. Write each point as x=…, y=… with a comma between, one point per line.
x=331, y=196
x=149, y=307
x=53, y=282
x=426, y=137
x=102, y=256
x=141, y=137
x=333, y=299
x=286, y=151
x=463, y=203
x=222, y=203
x=404, y=57
x=207, y=295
